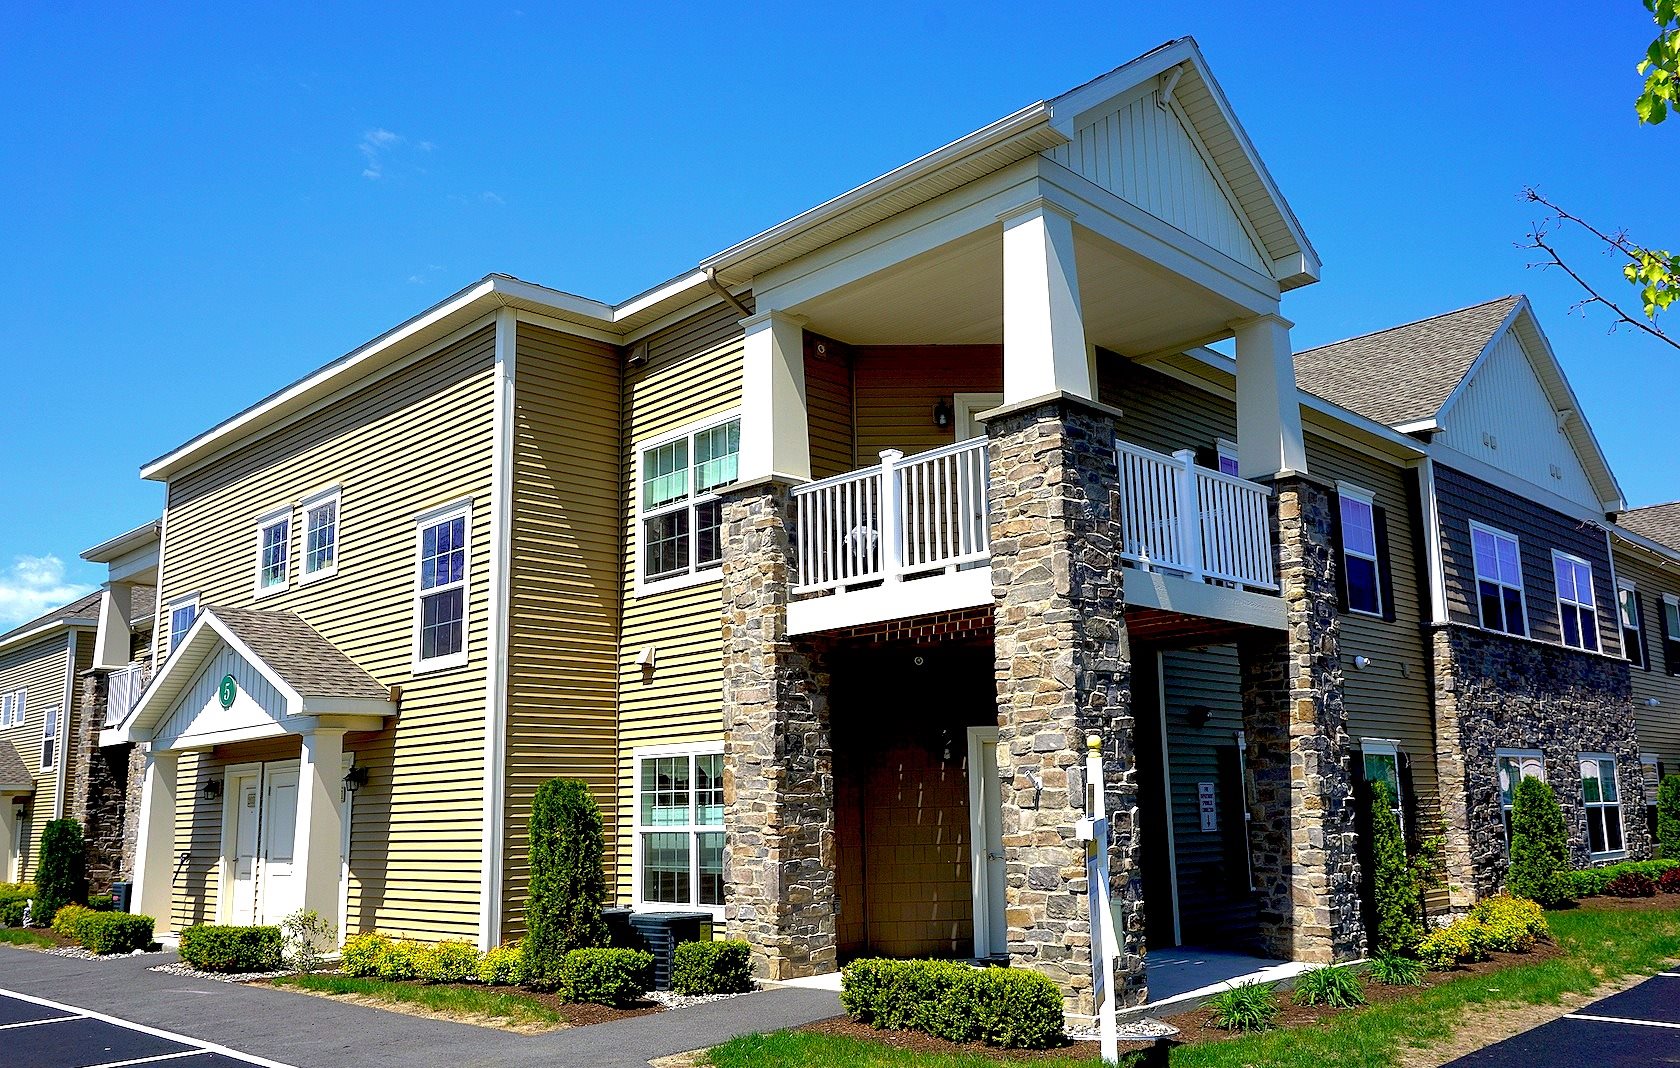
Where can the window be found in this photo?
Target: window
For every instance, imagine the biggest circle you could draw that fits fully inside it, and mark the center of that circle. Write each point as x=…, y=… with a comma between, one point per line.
x=1228, y=464
x=12, y=706
x=1671, y=633
x=440, y=611
x=1513, y=766
x=49, y=737
x=1360, y=567
x=1633, y=629
x=679, y=827
x=183, y=611
x=1382, y=764
x=320, y=536
x=274, y=543
x=1603, y=801
x=1577, y=614
x=1499, y=581
x=682, y=518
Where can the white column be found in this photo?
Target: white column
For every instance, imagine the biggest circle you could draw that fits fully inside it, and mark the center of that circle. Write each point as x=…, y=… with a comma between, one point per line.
x=775, y=435
x=1043, y=328
x=8, y=835
x=1269, y=440
x=111, y=645
x=316, y=865
x=154, y=860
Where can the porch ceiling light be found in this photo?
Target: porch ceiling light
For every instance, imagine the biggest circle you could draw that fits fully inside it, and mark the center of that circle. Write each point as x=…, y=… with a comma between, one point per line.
x=943, y=413
x=212, y=789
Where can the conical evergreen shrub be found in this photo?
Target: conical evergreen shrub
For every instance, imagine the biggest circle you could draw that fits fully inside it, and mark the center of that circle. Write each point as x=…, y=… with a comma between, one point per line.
x=61, y=878
x=1539, y=845
x=1668, y=818
x=568, y=886
x=1398, y=924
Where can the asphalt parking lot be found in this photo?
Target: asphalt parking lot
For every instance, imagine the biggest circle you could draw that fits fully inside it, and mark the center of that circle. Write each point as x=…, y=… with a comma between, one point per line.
x=1639, y=1027
x=37, y=1033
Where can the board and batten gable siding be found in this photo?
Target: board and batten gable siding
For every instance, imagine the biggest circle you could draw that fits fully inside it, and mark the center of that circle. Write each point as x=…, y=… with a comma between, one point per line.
x=40, y=667
x=403, y=444
x=681, y=699
x=1659, y=727
x=565, y=588
x=1461, y=498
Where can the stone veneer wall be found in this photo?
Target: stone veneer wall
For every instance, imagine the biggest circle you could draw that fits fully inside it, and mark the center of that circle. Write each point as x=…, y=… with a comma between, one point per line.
x=1063, y=672
x=1304, y=841
x=1494, y=691
x=778, y=752
x=100, y=788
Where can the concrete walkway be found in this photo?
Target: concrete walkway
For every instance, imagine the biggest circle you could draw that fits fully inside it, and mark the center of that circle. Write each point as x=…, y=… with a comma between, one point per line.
x=312, y=1032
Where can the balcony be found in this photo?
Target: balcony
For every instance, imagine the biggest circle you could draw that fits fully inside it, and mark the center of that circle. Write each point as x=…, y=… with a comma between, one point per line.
x=123, y=690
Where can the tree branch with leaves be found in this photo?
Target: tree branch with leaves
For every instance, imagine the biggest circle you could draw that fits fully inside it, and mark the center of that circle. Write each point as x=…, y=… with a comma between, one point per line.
x=1656, y=272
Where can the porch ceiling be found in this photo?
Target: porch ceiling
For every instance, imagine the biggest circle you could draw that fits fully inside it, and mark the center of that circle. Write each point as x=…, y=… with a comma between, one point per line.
x=953, y=295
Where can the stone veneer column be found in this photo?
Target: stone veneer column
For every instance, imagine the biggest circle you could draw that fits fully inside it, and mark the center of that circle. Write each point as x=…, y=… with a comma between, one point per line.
x=1457, y=852
x=97, y=784
x=1303, y=841
x=1063, y=672
x=778, y=752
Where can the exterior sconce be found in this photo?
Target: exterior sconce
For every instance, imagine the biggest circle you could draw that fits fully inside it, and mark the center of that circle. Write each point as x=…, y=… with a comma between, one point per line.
x=1361, y=662
x=1653, y=702
x=355, y=778
x=943, y=414
x=212, y=789
x=1198, y=715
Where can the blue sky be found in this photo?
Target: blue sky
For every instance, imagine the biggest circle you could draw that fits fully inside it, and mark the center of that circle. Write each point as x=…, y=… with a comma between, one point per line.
x=202, y=204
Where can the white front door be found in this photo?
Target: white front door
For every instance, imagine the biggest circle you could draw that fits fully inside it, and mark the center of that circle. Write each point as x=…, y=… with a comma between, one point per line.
x=967, y=406
x=278, y=838
x=247, y=811
x=985, y=802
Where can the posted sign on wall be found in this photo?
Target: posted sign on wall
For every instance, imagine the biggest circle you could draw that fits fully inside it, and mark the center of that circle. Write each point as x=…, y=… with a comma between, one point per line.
x=1209, y=806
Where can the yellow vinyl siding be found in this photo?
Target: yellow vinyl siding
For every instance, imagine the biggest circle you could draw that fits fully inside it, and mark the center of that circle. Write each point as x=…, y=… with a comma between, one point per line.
x=39, y=666
x=681, y=699
x=1659, y=727
x=565, y=586
x=398, y=447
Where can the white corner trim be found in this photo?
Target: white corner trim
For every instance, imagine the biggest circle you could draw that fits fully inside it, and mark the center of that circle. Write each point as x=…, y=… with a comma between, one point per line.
x=1437, y=575
x=495, y=704
x=61, y=744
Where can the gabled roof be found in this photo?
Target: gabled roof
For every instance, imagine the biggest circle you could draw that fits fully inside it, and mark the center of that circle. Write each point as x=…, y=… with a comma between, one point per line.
x=83, y=611
x=308, y=663
x=1658, y=522
x=14, y=773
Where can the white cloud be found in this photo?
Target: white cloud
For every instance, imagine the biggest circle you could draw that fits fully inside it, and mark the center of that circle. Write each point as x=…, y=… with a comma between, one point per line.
x=34, y=585
x=374, y=146
x=491, y=198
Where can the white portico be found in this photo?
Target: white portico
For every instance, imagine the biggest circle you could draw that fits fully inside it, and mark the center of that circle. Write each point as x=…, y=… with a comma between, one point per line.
x=244, y=676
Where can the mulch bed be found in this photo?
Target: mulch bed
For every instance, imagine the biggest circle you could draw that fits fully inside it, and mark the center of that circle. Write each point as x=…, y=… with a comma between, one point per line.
x=1660, y=903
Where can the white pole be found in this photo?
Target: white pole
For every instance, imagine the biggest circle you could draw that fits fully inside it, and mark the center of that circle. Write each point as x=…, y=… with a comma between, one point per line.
x=1105, y=944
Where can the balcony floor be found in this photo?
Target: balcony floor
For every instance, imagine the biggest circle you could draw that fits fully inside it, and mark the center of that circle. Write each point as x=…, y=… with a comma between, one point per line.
x=949, y=592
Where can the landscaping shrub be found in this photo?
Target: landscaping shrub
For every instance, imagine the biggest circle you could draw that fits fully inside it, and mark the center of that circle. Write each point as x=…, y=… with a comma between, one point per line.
x=1459, y=941
x=1631, y=884
x=398, y=960
x=1591, y=882
x=605, y=976
x=114, y=932
x=1539, y=845
x=700, y=968
x=362, y=953
x=568, y=887
x=1016, y=1009
x=11, y=913
x=956, y=1002
x=67, y=921
x=213, y=947
x=1509, y=924
x=304, y=936
x=61, y=878
x=1391, y=969
x=449, y=961
x=1398, y=922
x=1668, y=818
x=102, y=903
x=1669, y=881
x=1338, y=987
x=1248, y=1007
x=502, y=966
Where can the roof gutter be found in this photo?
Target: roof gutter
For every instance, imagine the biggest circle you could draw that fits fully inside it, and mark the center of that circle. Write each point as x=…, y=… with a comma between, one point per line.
x=723, y=291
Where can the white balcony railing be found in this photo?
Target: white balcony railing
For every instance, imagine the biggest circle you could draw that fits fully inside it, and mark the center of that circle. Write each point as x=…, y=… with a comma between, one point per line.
x=904, y=518
x=1176, y=516
x=123, y=690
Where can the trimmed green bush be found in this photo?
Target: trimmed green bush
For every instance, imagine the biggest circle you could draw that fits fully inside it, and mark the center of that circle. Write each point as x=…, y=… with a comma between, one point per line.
x=568, y=886
x=213, y=947
x=1668, y=818
x=1591, y=882
x=114, y=932
x=1246, y=1007
x=997, y=1006
x=701, y=968
x=502, y=966
x=362, y=953
x=102, y=903
x=11, y=913
x=1539, y=845
x=1399, y=921
x=61, y=878
x=618, y=977
x=1336, y=986
x=450, y=961
x=67, y=921
x=1391, y=969
x=1509, y=924
x=399, y=959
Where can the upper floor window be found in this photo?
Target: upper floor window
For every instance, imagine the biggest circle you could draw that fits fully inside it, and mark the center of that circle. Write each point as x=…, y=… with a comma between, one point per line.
x=1382, y=764
x=320, y=535
x=183, y=612
x=1633, y=627
x=1361, y=563
x=49, y=738
x=274, y=544
x=1577, y=611
x=1228, y=464
x=1499, y=579
x=681, y=514
x=440, y=609
x=1603, y=801
x=1512, y=766
x=11, y=707
x=1671, y=633
x=679, y=825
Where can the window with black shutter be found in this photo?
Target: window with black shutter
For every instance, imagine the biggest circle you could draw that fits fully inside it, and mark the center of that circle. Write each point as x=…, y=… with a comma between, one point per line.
x=1633, y=627
x=1364, y=583
x=1671, y=633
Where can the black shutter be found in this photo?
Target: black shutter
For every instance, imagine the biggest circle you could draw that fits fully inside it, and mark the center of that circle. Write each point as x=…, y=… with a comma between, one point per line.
x=1385, y=569
x=1671, y=663
x=1339, y=564
x=1208, y=457
x=1644, y=625
x=1408, y=800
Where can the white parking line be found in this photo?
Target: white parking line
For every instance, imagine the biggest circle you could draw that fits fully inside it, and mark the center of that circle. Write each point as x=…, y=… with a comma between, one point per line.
x=1622, y=1020
x=152, y=1060
x=37, y=1023
x=1668, y=975
x=155, y=1032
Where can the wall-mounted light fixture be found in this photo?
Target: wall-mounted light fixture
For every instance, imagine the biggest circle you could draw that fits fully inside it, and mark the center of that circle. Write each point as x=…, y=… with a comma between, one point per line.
x=943, y=414
x=212, y=789
x=355, y=778
x=1653, y=702
x=1361, y=662
x=1198, y=715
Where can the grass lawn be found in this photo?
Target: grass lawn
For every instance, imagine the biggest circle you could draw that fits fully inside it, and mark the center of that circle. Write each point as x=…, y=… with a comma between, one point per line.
x=21, y=936
x=1598, y=946
x=466, y=1002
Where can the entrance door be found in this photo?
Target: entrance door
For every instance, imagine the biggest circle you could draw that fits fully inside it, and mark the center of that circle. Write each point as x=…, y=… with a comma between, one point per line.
x=985, y=806
x=967, y=406
x=279, y=832
x=247, y=801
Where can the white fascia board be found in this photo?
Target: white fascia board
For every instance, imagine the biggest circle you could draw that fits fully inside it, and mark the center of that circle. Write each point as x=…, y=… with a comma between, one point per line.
x=1068, y=109
x=124, y=544
x=185, y=661
x=1664, y=555
x=48, y=629
x=346, y=706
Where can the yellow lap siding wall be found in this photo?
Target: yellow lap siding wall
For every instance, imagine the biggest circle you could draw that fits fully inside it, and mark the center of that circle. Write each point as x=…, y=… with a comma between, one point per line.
x=40, y=667
x=1659, y=680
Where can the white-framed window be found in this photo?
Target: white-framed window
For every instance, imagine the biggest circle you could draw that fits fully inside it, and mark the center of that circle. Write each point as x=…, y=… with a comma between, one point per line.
x=440, y=586
x=680, y=515
x=1577, y=608
x=1228, y=464
x=183, y=611
x=49, y=737
x=274, y=551
x=1512, y=766
x=1361, y=566
x=320, y=535
x=1382, y=764
x=1671, y=633
x=679, y=827
x=12, y=706
x=1633, y=627
x=1602, y=798
x=1499, y=579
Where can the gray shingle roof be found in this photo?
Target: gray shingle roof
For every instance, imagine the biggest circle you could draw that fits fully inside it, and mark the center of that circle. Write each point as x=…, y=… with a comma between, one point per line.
x=81, y=608
x=1659, y=522
x=13, y=771
x=1405, y=373
x=310, y=664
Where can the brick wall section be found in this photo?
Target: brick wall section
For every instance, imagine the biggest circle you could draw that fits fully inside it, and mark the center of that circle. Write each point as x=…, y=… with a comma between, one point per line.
x=1063, y=672
x=778, y=753
x=1496, y=692
x=1303, y=831
x=97, y=785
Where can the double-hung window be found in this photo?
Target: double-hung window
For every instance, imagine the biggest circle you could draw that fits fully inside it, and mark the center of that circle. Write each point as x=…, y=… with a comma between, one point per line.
x=183, y=611
x=679, y=827
x=1603, y=800
x=1382, y=764
x=320, y=536
x=1228, y=464
x=1361, y=564
x=1671, y=633
x=49, y=738
x=1513, y=766
x=1633, y=628
x=12, y=706
x=681, y=514
x=1499, y=579
x=274, y=545
x=1577, y=609
x=440, y=589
